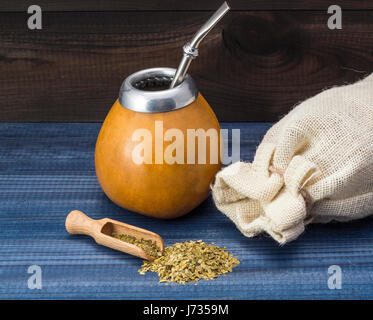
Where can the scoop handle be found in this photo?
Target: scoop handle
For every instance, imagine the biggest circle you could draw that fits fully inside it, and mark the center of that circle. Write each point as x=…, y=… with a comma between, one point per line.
x=79, y=223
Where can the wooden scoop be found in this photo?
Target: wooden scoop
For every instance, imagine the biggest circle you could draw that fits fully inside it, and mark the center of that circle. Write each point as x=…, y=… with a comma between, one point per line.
x=101, y=230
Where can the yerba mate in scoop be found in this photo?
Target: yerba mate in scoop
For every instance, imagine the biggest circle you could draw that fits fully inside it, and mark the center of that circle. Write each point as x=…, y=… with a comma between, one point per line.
x=102, y=232
x=149, y=246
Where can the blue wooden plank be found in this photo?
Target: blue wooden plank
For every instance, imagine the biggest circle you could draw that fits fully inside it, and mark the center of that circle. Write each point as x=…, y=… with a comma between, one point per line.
x=47, y=169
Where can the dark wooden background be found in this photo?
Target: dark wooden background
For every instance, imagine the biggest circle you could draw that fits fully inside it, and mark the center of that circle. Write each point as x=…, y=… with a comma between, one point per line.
x=261, y=60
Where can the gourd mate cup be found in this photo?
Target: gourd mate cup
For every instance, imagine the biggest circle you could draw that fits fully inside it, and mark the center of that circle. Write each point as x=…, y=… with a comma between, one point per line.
x=147, y=99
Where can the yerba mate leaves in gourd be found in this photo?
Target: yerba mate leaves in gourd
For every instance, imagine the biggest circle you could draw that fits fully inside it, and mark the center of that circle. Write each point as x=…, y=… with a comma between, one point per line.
x=191, y=261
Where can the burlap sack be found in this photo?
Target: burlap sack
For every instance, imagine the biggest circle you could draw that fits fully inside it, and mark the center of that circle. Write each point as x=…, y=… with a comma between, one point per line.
x=314, y=165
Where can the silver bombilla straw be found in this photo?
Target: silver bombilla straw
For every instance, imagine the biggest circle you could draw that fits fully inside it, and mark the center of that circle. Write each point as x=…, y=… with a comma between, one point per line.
x=190, y=50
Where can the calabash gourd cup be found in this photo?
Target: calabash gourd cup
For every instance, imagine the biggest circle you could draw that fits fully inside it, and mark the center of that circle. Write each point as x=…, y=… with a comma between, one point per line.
x=154, y=113
x=161, y=190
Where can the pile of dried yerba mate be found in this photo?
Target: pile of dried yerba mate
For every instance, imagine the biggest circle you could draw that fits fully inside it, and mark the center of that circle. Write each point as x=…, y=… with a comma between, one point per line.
x=185, y=262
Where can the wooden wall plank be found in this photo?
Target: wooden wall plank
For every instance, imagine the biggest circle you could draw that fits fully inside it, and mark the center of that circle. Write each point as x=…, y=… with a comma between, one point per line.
x=254, y=66
x=190, y=5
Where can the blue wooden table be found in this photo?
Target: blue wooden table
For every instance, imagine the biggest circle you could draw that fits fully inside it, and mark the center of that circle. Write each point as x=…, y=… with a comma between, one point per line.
x=47, y=169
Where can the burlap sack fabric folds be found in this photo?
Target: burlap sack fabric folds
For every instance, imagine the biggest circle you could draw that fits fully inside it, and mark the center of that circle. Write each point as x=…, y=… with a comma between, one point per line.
x=313, y=166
